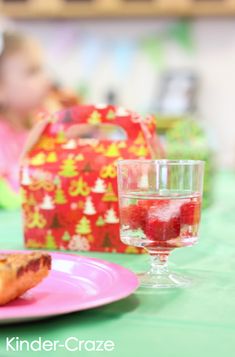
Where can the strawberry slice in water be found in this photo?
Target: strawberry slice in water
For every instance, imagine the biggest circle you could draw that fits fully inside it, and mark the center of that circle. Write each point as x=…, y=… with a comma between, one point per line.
x=133, y=216
x=159, y=230
x=191, y=212
x=163, y=220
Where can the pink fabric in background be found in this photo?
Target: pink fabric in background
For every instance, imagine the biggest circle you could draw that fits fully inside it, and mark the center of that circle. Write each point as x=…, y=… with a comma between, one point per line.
x=11, y=145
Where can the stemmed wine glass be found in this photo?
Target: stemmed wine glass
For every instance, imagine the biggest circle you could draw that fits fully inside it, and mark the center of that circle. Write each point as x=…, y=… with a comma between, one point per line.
x=160, y=207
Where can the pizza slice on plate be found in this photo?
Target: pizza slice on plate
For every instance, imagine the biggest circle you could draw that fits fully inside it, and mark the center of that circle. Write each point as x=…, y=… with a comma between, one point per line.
x=20, y=272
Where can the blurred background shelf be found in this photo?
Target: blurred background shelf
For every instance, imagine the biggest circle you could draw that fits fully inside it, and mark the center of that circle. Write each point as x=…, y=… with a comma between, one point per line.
x=68, y=9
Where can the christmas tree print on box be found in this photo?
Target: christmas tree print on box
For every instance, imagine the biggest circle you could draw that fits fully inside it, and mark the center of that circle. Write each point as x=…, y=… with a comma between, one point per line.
x=112, y=150
x=47, y=203
x=69, y=186
x=60, y=197
x=50, y=241
x=52, y=157
x=87, y=168
x=107, y=243
x=110, y=195
x=84, y=226
x=100, y=222
x=111, y=216
x=99, y=186
x=68, y=167
x=89, y=208
x=66, y=237
x=79, y=243
x=110, y=115
x=94, y=118
x=38, y=159
x=55, y=222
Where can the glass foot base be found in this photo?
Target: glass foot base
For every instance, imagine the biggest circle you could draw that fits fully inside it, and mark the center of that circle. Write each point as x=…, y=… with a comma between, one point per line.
x=169, y=280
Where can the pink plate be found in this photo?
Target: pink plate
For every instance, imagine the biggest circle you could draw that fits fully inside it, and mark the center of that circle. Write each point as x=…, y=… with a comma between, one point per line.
x=74, y=283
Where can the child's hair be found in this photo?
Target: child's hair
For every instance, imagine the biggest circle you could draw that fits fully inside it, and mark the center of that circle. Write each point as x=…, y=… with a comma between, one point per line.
x=23, y=80
x=11, y=41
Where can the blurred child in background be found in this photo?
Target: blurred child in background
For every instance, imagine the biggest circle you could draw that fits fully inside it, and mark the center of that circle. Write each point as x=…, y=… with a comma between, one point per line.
x=23, y=90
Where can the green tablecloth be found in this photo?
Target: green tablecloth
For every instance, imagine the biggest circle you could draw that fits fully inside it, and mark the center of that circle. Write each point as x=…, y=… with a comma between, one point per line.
x=192, y=322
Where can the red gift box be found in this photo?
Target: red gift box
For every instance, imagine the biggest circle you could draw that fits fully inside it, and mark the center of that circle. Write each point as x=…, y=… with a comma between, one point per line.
x=69, y=186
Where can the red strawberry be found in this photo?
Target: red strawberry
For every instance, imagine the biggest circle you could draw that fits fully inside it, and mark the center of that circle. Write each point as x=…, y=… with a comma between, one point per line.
x=174, y=227
x=190, y=212
x=145, y=203
x=155, y=229
x=158, y=230
x=133, y=216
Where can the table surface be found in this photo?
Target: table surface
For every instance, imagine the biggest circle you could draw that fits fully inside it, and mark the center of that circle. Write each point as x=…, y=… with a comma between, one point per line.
x=190, y=322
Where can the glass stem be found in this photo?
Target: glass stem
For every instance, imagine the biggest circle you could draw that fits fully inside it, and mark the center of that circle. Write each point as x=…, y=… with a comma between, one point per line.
x=159, y=261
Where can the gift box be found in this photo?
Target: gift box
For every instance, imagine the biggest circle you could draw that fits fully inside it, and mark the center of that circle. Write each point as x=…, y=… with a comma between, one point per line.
x=69, y=186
